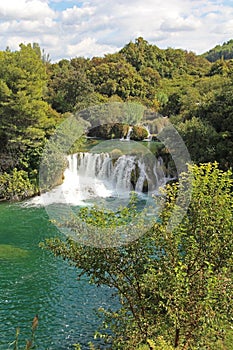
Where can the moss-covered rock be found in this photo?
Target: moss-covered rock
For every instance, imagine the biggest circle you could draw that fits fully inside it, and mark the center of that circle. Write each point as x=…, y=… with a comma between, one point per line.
x=145, y=186
x=134, y=176
x=118, y=131
x=109, y=131
x=115, y=154
x=138, y=133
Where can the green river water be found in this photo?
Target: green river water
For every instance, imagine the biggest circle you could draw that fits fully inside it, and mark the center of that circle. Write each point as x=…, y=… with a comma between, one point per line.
x=33, y=281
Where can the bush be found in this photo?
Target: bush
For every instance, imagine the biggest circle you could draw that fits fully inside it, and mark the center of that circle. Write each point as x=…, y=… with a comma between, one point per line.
x=15, y=186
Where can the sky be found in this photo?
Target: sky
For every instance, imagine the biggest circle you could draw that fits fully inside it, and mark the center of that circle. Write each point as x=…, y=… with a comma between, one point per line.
x=68, y=28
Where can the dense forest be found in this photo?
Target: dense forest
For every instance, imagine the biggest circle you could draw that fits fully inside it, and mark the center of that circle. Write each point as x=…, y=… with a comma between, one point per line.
x=36, y=95
x=220, y=51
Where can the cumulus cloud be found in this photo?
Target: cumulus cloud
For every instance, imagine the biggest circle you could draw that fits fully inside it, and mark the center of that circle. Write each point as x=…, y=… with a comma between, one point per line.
x=180, y=24
x=93, y=27
x=24, y=9
x=77, y=14
x=90, y=45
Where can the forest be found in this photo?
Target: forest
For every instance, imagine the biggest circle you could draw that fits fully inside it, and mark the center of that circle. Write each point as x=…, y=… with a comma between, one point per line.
x=37, y=95
x=174, y=286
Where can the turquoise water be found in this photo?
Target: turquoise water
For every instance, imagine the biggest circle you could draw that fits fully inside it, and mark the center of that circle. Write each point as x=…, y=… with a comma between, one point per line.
x=33, y=281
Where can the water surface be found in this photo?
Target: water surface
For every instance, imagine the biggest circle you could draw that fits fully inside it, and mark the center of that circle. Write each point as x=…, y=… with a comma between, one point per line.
x=33, y=281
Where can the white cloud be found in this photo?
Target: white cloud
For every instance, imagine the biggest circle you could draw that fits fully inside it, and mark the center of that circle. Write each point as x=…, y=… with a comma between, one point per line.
x=94, y=27
x=180, y=24
x=76, y=14
x=25, y=9
x=90, y=45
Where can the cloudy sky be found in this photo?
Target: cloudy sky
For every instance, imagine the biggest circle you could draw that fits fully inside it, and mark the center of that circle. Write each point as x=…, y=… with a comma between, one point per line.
x=68, y=28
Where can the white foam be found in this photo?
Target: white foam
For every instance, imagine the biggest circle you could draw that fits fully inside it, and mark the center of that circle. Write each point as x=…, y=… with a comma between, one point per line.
x=90, y=176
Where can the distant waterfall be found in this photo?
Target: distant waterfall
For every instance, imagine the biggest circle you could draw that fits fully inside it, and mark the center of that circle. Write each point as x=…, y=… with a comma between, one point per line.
x=93, y=175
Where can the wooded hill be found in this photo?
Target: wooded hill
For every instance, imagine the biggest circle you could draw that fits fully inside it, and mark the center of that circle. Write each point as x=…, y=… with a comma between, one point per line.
x=36, y=95
x=224, y=51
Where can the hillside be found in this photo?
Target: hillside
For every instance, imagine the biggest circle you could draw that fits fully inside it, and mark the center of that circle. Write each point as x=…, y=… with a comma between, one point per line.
x=220, y=51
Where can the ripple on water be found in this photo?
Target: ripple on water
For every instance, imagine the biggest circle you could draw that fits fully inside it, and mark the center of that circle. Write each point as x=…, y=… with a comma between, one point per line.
x=39, y=283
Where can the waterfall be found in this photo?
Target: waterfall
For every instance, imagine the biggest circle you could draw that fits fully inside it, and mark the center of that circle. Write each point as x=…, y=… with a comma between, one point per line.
x=129, y=133
x=97, y=175
x=142, y=177
x=127, y=138
x=149, y=137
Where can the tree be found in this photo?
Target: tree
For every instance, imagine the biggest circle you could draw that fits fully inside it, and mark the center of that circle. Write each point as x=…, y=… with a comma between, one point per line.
x=174, y=286
x=26, y=119
x=200, y=138
x=116, y=78
x=220, y=51
x=217, y=110
x=68, y=84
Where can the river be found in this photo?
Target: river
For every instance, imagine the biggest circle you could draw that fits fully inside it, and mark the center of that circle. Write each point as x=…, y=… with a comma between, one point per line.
x=33, y=281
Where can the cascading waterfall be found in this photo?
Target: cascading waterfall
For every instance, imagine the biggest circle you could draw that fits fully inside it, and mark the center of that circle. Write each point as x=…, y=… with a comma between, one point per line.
x=142, y=177
x=93, y=175
x=122, y=171
x=127, y=138
x=129, y=133
x=149, y=137
x=100, y=175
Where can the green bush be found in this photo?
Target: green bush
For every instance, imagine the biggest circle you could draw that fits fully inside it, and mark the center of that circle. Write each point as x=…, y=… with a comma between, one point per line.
x=16, y=185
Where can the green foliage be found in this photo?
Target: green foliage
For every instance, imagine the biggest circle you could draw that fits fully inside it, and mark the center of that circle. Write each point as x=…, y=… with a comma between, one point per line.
x=167, y=63
x=112, y=113
x=26, y=119
x=116, y=78
x=218, y=112
x=134, y=73
x=200, y=138
x=220, y=51
x=174, y=286
x=196, y=262
x=68, y=84
x=52, y=167
x=15, y=185
x=159, y=344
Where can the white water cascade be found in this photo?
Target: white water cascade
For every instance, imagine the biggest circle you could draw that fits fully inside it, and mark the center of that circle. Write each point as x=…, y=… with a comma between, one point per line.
x=127, y=138
x=98, y=175
x=149, y=137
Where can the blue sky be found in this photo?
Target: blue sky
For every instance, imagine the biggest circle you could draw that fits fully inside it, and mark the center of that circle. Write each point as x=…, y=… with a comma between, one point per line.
x=62, y=5
x=88, y=28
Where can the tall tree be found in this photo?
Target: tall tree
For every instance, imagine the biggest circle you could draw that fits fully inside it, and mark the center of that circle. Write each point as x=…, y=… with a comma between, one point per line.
x=26, y=119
